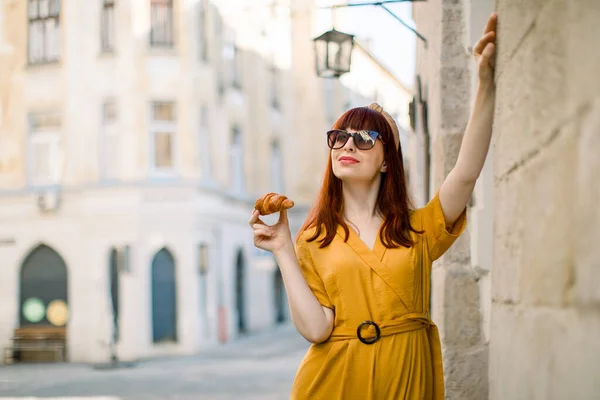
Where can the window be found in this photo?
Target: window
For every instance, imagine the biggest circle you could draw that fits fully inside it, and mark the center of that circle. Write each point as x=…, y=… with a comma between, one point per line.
x=107, y=24
x=114, y=283
x=162, y=131
x=219, y=70
x=44, y=31
x=276, y=168
x=231, y=56
x=275, y=88
x=44, y=152
x=236, y=67
x=202, y=30
x=218, y=28
x=161, y=23
x=237, y=161
x=205, y=144
x=109, y=142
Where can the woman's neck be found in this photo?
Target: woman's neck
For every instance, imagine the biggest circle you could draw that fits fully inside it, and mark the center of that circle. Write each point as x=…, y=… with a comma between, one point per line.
x=360, y=200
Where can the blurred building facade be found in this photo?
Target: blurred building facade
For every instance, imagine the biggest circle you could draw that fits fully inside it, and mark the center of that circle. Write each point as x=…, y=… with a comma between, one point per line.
x=134, y=140
x=516, y=298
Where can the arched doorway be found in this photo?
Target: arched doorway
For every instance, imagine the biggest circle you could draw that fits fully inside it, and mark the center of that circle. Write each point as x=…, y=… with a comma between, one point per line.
x=43, y=295
x=279, y=296
x=114, y=285
x=240, y=292
x=164, y=298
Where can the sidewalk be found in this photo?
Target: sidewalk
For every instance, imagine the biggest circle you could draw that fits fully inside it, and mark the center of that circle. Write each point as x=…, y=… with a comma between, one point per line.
x=259, y=366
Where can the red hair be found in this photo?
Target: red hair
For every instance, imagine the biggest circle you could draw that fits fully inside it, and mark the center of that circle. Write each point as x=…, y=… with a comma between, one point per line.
x=392, y=201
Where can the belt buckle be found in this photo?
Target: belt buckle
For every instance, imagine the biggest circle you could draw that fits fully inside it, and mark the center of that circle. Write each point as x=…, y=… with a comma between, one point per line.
x=371, y=340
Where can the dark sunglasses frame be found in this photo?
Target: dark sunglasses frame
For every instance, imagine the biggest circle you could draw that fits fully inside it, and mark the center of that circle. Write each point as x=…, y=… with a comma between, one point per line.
x=364, y=144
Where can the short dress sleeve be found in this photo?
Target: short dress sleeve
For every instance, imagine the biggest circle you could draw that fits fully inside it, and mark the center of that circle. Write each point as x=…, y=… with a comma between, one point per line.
x=309, y=271
x=437, y=236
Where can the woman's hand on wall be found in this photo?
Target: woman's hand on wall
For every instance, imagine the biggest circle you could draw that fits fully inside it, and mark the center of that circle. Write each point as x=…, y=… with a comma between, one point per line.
x=485, y=51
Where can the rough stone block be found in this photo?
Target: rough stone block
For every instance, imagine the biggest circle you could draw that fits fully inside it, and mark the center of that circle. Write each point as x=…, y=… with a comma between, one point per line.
x=466, y=373
x=543, y=353
x=574, y=369
x=522, y=351
x=587, y=209
x=516, y=19
x=511, y=120
x=509, y=230
x=533, y=86
x=458, y=254
x=502, y=350
x=456, y=306
x=455, y=97
x=444, y=152
x=536, y=267
x=583, y=57
x=453, y=51
x=485, y=285
x=545, y=262
x=462, y=316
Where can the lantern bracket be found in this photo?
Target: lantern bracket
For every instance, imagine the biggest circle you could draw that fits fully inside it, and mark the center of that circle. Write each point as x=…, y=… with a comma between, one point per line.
x=383, y=4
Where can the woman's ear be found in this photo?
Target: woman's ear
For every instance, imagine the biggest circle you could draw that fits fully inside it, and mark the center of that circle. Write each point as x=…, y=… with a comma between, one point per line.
x=383, y=167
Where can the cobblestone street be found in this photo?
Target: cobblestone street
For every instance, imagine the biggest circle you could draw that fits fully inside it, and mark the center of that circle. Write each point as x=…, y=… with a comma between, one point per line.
x=256, y=367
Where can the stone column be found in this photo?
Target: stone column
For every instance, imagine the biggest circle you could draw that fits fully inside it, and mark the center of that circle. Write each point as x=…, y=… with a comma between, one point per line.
x=446, y=69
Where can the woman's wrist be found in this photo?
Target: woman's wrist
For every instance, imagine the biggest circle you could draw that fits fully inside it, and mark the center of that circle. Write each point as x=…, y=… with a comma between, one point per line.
x=285, y=251
x=486, y=86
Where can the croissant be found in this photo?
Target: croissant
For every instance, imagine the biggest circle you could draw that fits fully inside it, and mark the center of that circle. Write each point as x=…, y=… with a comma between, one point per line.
x=272, y=202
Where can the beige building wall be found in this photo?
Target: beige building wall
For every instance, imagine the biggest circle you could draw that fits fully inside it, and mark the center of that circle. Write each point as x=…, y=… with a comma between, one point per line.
x=108, y=192
x=546, y=276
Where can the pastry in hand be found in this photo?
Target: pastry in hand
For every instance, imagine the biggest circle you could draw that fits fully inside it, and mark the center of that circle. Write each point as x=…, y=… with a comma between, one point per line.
x=272, y=202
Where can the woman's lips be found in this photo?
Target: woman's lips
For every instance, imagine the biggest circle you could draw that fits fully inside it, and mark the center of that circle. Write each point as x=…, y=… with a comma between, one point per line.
x=348, y=160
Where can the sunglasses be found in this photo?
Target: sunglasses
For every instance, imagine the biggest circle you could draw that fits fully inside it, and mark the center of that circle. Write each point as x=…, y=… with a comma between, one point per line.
x=363, y=140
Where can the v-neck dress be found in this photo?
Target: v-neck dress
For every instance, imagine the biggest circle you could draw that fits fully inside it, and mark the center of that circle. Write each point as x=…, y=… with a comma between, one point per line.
x=391, y=288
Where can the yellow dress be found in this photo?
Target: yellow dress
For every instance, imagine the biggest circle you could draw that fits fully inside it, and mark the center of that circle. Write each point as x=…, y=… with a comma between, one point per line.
x=389, y=287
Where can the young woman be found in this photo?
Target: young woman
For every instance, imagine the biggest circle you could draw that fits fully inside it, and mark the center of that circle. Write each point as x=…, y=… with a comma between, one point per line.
x=358, y=277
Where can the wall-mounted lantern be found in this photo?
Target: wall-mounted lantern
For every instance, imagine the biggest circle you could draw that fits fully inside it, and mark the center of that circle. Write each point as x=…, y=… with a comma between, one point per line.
x=333, y=53
x=333, y=49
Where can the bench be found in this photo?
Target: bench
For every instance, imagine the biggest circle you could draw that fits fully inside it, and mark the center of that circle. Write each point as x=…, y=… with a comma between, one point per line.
x=37, y=343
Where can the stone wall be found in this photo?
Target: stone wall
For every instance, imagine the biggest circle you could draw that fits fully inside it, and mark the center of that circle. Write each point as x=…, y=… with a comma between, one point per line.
x=446, y=70
x=545, y=276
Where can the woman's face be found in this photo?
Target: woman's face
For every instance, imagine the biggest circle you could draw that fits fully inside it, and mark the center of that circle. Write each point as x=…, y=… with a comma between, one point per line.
x=356, y=163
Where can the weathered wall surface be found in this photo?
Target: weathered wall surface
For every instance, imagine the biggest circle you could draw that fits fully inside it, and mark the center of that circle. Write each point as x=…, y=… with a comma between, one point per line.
x=546, y=280
x=545, y=275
